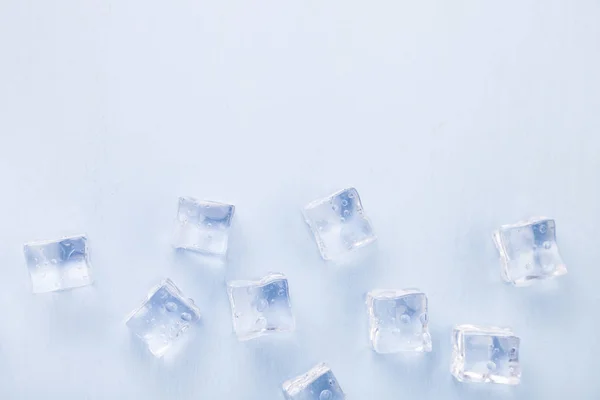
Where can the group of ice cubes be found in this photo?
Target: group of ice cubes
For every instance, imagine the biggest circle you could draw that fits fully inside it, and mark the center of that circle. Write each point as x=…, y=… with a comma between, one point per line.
x=528, y=251
x=58, y=264
x=317, y=384
x=338, y=222
x=163, y=317
x=260, y=307
x=485, y=354
x=398, y=321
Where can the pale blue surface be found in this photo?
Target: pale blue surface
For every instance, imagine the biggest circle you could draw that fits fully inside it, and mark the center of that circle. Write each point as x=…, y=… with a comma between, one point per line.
x=449, y=117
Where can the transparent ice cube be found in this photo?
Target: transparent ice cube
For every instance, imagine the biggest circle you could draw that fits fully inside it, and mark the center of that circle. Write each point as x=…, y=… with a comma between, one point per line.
x=260, y=307
x=58, y=264
x=398, y=320
x=528, y=251
x=163, y=317
x=203, y=226
x=317, y=384
x=339, y=224
x=485, y=354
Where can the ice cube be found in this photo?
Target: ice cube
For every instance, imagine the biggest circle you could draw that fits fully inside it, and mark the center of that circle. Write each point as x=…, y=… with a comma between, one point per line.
x=260, y=307
x=203, y=226
x=485, y=354
x=163, y=318
x=317, y=384
x=528, y=251
x=398, y=321
x=58, y=264
x=339, y=224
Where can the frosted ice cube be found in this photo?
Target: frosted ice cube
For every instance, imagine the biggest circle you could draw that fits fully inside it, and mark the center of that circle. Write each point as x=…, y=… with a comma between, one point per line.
x=58, y=264
x=528, y=251
x=260, y=307
x=163, y=317
x=485, y=354
x=203, y=226
x=339, y=224
x=398, y=320
x=317, y=384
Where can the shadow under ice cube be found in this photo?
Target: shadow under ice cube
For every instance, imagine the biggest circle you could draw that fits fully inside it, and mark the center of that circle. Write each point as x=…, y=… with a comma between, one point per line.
x=203, y=226
x=317, y=384
x=485, y=354
x=339, y=224
x=163, y=318
x=261, y=307
x=528, y=251
x=398, y=321
x=58, y=264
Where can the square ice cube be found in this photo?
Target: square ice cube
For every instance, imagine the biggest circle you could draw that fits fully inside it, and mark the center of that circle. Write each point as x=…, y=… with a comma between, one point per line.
x=398, y=320
x=339, y=224
x=58, y=264
x=528, y=251
x=163, y=317
x=485, y=354
x=317, y=384
x=261, y=307
x=203, y=226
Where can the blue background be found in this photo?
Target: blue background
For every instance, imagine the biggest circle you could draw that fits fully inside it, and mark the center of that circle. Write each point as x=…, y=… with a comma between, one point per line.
x=449, y=117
